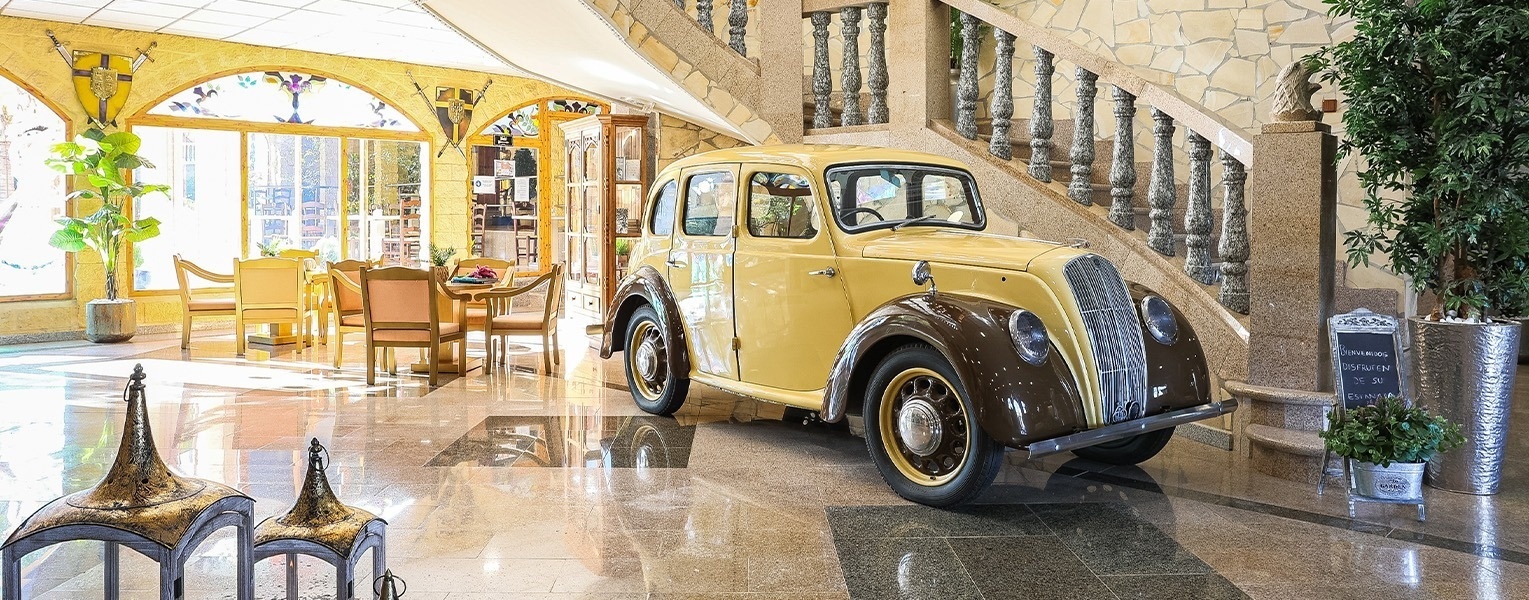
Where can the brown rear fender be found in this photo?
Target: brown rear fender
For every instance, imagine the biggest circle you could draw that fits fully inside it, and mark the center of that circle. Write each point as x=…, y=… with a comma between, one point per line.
x=1016, y=402
x=646, y=286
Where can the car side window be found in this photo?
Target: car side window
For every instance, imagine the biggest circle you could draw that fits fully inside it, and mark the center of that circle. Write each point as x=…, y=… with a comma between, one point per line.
x=709, y=202
x=781, y=206
x=663, y=209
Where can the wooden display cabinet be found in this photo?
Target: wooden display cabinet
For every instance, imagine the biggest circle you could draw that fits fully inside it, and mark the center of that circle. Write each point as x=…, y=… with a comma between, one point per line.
x=608, y=171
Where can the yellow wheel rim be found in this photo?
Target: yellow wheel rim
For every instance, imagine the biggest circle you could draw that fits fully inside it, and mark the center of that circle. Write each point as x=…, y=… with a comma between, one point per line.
x=648, y=360
x=924, y=427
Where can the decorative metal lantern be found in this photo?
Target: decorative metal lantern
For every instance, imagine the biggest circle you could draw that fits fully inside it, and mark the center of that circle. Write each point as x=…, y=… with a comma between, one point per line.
x=319, y=525
x=390, y=586
x=141, y=504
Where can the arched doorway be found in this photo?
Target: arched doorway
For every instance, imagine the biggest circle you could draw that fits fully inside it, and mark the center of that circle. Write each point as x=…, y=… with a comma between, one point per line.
x=260, y=160
x=513, y=162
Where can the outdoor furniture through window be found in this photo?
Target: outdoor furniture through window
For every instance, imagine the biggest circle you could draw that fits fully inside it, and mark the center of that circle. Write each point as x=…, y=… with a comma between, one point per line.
x=407, y=308
x=193, y=306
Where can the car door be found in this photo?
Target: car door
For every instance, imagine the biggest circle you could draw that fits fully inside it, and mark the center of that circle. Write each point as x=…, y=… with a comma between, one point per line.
x=792, y=309
x=700, y=267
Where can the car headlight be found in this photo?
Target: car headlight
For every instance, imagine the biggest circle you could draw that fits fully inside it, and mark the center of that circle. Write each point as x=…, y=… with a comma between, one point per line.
x=1158, y=315
x=1029, y=336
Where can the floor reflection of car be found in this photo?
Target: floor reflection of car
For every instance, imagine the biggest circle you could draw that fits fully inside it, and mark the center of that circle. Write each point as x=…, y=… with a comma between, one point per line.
x=643, y=442
x=861, y=282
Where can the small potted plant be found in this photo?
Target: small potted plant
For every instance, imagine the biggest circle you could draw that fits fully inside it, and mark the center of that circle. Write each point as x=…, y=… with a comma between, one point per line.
x=439, y=258
x=1389, y=443
x=623, y=252
x=101, y=161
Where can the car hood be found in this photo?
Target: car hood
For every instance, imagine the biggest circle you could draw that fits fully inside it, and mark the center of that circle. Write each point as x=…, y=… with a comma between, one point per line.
x=944, y=245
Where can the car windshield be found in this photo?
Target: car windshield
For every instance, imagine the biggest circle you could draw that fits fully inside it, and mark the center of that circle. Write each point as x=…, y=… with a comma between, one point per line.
x=869, y=197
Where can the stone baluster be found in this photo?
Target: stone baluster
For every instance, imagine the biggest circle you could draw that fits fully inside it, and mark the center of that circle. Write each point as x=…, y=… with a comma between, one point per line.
x=1041, y=126
x=1234, y=236
x=1001, y=104
x=1197, y=216
x=849, y=28
x=966, y=83
x=703, y=15
x=822, y=80
x=1123, y=169
x=737, y=23
x=680, y=3
x=1080, y=189
x=877, y=77
x=1161, y=190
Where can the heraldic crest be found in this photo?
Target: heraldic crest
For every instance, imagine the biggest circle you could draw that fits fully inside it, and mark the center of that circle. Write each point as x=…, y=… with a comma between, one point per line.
x=454, y=109
x=101, y=80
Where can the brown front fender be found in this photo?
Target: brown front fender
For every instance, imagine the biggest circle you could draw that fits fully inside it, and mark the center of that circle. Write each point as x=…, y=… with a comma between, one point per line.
x=646, y=286
x=1016, y=402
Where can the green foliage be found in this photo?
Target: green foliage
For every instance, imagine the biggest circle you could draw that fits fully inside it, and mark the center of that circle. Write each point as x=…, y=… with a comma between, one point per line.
x=440, y=256
x=271, y=248
x=1389, y=431
x=1438, y=105
x=623, y=247
x=101, y=160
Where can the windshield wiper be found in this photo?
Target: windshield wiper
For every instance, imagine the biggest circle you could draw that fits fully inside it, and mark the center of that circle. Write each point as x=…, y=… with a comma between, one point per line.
x=909, y=221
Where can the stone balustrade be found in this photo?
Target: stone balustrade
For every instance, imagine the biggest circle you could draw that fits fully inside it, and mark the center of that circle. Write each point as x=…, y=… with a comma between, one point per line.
x=1208, y=260
x=737, y=21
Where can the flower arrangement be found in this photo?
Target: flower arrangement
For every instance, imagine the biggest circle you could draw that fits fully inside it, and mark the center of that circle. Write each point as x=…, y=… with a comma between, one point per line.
x=483, y=272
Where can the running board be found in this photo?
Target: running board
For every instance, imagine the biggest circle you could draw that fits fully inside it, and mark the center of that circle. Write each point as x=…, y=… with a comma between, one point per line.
x=1130, y=428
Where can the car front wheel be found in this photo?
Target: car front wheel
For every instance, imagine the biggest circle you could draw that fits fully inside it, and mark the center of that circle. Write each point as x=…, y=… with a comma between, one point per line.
x=649, y=370
x=922, y=433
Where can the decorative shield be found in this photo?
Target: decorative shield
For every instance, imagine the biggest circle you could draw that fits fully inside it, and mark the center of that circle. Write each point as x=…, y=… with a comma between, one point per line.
x=102, y=82
x=454, y=109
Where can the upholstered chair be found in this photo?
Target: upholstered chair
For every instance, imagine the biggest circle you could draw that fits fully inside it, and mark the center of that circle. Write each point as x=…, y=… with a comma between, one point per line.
x=344, y=301
x=192, y=305
x=501, y=321
x=408, y=308
x=269, y=290
x=314, y=301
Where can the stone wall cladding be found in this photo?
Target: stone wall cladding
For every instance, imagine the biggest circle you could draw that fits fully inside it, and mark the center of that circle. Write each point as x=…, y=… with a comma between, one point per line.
x=678, y=139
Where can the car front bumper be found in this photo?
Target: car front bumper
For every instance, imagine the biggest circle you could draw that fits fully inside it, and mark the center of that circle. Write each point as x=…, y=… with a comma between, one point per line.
x=1130, y=428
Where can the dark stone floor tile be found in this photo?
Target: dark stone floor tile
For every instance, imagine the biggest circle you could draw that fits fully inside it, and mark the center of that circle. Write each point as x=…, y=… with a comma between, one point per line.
x=1173, y=587
x=1028, y=568
x=903, y=569
x=538, y=441
x=1111, y=541
x=916, y=521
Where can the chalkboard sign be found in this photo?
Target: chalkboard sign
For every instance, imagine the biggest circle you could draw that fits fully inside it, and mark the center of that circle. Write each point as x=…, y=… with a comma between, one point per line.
x=1366, y=357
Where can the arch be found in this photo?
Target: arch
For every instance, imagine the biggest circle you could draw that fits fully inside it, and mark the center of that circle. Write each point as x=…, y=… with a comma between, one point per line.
x=267, y=96
x=27, y=209
x=537, y=115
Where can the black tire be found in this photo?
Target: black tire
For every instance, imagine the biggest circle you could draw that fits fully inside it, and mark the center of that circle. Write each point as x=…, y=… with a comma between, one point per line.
x=664, y=392
x=961, y=463
x=1129, y=451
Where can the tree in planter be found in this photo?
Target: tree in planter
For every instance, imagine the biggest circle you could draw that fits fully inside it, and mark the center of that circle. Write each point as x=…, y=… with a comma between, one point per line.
x=1438, y=105
x=101, y=160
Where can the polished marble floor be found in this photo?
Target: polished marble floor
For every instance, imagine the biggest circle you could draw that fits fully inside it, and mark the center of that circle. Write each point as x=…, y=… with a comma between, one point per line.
x=526, y=486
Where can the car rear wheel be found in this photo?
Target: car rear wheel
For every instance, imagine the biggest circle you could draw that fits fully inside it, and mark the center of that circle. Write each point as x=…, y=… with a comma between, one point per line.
x=922, y=432
x=649, y=370
x=1129, y=451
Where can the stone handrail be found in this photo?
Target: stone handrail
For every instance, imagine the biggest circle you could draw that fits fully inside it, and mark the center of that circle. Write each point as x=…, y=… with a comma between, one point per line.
x=737, y=21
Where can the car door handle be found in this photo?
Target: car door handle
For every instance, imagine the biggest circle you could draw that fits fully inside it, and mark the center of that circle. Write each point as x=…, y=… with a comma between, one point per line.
x=828, y=272
x=678, y=264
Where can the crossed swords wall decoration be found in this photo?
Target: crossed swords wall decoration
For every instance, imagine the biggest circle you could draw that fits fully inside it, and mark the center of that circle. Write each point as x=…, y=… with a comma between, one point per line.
x=101, y=80
x=453, y=109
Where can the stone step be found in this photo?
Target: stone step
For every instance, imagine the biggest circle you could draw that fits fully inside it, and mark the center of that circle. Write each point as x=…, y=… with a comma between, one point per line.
x=1288, y=409
x=1288, y=454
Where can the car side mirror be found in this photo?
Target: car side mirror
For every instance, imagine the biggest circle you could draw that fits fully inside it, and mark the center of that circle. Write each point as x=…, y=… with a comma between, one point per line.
x=922, y=275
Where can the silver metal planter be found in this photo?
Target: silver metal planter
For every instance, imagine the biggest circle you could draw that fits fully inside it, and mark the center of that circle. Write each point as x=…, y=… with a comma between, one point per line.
x=1464, y=372
x=1400, y=482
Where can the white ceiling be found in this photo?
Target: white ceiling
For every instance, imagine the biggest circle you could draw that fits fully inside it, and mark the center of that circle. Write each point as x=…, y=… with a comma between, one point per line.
x=383, y=29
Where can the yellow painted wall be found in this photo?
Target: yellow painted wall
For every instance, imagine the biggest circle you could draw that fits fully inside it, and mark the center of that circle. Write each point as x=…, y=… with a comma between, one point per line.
x=179, y=61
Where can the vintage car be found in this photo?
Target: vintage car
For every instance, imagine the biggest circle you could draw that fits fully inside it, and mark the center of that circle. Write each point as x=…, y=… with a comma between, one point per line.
x=806, y=275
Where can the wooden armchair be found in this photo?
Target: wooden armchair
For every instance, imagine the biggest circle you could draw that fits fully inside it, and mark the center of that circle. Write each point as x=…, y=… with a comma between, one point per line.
x=408, y=308
x=269, y=290
x=344, y=300
x=500, y=322
x=314, y=301
x=192, y=306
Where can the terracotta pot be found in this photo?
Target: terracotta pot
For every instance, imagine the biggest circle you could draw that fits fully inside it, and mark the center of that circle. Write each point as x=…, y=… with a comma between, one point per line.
x=110, y=321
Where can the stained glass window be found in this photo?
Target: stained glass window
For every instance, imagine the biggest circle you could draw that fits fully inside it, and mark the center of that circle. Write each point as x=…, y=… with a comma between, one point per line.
x=285, y=97
x=519, y=123
x=31, y=196
x=574, y=106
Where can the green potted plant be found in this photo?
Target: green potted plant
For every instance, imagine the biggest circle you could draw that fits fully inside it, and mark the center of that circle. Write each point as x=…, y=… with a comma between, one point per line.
x=623, y=252
x=439, y=258
x=1389, y=443
x=1436, y=103
x=102, y=161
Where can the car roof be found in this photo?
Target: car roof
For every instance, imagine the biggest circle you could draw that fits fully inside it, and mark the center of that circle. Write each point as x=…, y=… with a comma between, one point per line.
x=812, y=157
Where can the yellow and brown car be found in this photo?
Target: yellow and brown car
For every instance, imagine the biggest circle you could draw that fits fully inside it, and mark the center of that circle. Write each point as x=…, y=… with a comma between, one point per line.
x=860, y=282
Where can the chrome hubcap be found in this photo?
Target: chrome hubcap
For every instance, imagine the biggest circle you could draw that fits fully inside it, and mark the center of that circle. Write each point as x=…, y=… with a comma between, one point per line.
x=919, y=428
x=649, y=360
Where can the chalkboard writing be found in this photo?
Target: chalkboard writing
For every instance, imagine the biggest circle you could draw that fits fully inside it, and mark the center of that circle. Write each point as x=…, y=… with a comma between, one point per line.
x=1365, y=367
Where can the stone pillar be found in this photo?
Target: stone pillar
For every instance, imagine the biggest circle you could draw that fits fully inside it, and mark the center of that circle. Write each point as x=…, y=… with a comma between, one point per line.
x=918, y=34
x=1292, y=223
x=780, y=59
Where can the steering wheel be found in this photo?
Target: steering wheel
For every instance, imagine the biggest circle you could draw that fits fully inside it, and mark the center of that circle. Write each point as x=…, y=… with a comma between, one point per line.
x=861, y=209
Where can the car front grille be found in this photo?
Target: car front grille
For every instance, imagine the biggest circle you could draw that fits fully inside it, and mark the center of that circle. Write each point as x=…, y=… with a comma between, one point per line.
x=1109, y=317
